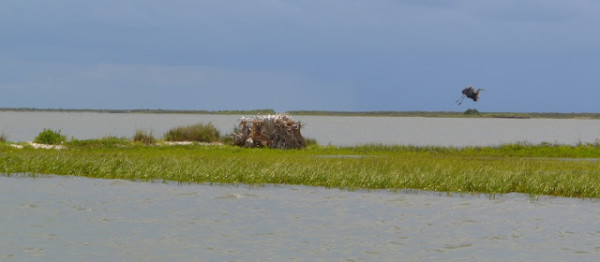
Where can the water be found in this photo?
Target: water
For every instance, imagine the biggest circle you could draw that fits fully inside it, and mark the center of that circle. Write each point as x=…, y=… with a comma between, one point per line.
x=54, y=218
x=25, y=126
x=341, y=131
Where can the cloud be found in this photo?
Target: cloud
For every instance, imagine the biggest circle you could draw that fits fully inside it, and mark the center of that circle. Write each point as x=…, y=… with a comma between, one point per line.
x=276, y=34
x=532, y=11
x=338, y=54
x=431, y=3
x=178, y=87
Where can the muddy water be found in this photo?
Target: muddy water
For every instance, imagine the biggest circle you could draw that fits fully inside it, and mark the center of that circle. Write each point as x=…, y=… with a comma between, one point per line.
x=54, y=218
x=345, y=131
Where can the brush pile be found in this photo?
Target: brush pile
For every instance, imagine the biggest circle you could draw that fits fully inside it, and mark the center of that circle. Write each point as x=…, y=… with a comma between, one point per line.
x=273, y=131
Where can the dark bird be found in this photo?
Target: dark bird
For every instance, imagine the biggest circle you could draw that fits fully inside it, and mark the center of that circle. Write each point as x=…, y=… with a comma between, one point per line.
x=470, y=93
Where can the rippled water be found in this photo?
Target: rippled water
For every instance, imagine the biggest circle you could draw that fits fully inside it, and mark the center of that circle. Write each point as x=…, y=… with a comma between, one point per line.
x=24, y=126
x=54, y=218
x=59, y=218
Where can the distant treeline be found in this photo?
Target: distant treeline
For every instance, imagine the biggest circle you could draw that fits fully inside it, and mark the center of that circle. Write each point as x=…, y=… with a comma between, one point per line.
x=471, y=113
x=147, y=111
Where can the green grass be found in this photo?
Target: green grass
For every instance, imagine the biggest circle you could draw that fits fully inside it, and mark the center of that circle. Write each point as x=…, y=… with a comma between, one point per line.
x=144, y=137
x=105, y=142
x=50, y=137
x=198, y=132
x=546, y=169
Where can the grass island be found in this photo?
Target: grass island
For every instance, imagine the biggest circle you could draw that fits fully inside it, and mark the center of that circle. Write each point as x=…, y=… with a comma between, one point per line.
x=536, y=169
x=544, y=169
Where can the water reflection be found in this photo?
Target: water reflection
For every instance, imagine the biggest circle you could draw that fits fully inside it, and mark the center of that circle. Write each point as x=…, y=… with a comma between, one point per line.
x=81, y=219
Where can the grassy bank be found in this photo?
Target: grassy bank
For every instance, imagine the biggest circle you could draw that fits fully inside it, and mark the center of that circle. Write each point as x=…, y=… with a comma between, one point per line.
x=546, y=169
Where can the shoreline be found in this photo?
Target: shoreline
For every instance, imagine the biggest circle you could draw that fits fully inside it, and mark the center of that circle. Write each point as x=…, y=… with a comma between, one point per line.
x=439, y=114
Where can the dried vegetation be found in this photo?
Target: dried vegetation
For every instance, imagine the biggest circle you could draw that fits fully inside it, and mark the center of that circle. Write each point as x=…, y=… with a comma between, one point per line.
x=272, y=131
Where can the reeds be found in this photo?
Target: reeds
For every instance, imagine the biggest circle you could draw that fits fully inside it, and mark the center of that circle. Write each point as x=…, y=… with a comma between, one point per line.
x=572, y=171
x=144, y=137
x=198, y=133
x=105, y=142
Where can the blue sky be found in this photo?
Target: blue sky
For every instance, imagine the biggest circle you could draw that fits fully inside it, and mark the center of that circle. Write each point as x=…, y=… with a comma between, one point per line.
x=349, y=55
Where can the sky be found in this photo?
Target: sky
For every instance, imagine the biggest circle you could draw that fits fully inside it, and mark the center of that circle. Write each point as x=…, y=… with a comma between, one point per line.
x=339, y=55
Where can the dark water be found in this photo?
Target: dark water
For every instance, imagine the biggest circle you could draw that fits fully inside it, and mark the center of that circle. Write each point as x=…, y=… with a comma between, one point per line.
x=24, y=126
x=79, y=219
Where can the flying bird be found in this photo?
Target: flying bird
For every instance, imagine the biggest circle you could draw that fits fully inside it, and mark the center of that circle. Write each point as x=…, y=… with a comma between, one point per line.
x=470, y=93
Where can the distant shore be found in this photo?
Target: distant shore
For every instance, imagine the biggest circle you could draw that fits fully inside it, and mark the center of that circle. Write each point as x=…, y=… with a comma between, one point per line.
x=470, y=113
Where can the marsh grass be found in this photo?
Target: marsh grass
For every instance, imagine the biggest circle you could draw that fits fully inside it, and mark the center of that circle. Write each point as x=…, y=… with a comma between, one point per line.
x=571, y=171
x=198, y=133
x=50, y=137
x=106, y=142
x=309, y=142
x=144, y=137
x=3, y=137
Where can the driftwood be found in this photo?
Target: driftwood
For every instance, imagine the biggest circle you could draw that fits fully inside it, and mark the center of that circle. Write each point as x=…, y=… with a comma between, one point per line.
x=273, y=131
